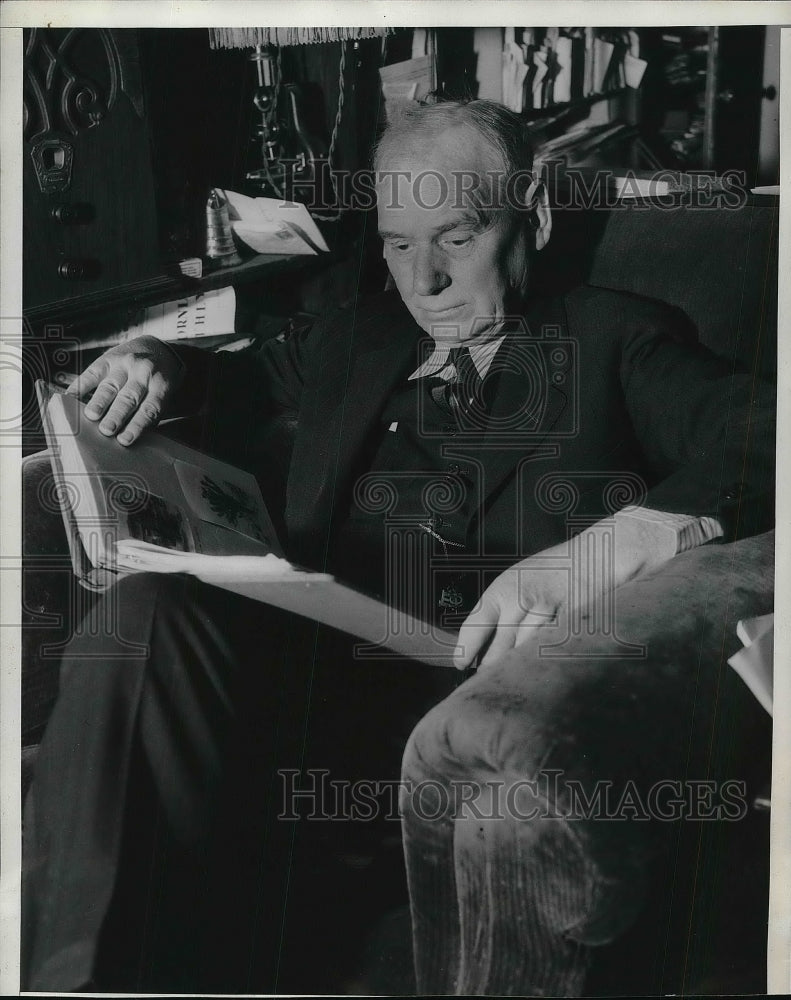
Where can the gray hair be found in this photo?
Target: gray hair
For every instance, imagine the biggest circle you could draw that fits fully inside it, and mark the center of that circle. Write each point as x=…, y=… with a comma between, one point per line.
x=503, y=131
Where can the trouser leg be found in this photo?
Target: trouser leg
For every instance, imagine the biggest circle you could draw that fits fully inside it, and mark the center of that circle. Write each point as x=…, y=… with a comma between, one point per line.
x=154, y=853
x=190, y=717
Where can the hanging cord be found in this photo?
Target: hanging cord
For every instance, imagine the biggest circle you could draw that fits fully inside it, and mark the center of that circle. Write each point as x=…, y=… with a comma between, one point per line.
x=334, y=138
x=271, y=180
x=275, y=104
x=278, y=79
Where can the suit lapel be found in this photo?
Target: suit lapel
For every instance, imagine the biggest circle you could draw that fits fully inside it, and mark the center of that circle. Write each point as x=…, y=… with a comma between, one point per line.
x=366, y=357
x=531, y=394
x=361, y=366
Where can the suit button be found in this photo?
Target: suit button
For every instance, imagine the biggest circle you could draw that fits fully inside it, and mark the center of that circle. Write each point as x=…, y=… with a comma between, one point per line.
x=734, y=492
x=454, y=469
x=449, y=429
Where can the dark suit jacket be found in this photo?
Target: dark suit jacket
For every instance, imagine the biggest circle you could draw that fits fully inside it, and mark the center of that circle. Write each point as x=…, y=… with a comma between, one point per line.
x=608, y=401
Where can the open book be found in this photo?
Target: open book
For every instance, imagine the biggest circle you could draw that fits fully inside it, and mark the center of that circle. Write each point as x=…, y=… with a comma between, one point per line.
x=162, y=507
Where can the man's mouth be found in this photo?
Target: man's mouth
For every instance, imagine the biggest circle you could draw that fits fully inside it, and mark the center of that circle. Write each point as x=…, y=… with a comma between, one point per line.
x=441, y=312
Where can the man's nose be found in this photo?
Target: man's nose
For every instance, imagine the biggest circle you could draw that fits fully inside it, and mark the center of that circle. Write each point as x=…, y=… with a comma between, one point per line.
x=429, y=277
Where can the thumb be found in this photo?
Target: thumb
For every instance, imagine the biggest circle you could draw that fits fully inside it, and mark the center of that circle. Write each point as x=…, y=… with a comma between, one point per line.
x=474, y=633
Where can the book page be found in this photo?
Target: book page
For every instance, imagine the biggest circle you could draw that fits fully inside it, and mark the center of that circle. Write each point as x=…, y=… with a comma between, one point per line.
x=319, y=596
x=158, y=491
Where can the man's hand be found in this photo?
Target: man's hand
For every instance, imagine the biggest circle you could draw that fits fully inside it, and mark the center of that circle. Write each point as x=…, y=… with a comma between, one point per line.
x=536, y=591
x=129, y=386
x=525, y=597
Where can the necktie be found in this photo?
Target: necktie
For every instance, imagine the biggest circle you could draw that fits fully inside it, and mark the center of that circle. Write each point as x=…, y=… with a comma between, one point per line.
x=464, y=389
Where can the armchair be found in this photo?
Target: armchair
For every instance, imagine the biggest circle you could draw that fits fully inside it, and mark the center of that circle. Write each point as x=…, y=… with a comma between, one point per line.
x=604, y=792
x=565, y=821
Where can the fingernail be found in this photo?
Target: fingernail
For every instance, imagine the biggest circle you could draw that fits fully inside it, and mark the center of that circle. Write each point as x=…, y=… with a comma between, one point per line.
x=125, y=438
x=92, y=412
x=108, y=426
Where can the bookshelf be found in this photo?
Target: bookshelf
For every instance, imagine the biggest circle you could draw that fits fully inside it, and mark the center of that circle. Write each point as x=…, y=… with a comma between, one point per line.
x=687, y=98
x=536, y=114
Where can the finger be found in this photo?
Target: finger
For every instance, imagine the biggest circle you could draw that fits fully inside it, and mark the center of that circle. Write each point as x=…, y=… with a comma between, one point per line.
x=86, y=382
x=474, y=633
x=504, y=639
x=105, y=394
x=537, y=617
x=65, y=379
x=147, y=415
x=123, y=407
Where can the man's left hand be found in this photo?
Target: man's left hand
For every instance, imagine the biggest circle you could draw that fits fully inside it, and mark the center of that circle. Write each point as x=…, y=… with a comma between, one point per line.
x=536, y=591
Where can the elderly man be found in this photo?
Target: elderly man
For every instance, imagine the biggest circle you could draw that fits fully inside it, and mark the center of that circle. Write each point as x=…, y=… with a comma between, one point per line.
x=430, y=434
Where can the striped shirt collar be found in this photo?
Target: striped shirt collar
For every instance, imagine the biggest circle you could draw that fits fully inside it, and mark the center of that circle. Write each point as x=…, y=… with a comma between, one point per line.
x=438, y=362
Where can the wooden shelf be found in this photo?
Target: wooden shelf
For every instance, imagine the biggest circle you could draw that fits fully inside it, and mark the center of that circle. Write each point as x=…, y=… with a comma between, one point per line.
x=568, y=107
x=258, y=268
x=164, y=288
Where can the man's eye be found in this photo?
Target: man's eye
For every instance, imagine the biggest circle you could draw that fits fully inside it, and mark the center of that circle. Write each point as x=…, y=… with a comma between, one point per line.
x=458, y=242
x=399, y=247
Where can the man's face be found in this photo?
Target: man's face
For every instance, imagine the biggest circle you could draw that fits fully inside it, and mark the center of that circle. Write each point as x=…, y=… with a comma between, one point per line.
x=455, y=274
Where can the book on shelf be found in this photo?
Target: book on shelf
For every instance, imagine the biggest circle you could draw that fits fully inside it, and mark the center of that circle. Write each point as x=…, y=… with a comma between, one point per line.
x=160, y=506
x=209, y=314
x=545, y=67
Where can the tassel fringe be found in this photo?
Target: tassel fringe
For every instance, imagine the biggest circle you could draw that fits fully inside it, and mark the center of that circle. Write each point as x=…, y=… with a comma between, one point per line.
x=247, y=38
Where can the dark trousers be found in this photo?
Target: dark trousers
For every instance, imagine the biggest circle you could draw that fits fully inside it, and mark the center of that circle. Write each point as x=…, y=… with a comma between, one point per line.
x=155, y=857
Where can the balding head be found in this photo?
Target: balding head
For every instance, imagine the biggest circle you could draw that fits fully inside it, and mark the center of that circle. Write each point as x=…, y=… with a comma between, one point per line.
x=481, y=145
x=455, y=199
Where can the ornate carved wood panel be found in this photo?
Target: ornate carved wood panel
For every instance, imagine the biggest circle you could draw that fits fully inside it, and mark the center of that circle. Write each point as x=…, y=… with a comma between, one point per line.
x=90, y=216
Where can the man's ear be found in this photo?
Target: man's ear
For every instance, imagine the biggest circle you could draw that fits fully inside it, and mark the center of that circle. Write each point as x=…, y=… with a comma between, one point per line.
x=540, y=217
x=542, y=224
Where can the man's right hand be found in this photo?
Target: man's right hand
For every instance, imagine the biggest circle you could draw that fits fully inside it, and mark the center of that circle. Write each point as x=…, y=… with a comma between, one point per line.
x=129, y=386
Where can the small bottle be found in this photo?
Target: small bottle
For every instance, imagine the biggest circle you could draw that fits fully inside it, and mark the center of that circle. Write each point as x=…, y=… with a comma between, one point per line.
x=219, y=238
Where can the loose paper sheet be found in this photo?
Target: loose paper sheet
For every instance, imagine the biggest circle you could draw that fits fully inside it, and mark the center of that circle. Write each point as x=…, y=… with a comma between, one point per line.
x=269, y=225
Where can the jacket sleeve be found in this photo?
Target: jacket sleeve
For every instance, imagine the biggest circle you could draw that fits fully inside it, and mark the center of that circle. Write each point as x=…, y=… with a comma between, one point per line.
x=706, y=425
x=232, y=398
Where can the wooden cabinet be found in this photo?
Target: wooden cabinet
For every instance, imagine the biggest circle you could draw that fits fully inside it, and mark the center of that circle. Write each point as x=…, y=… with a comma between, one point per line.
x=702, y=97
x=126, y=132
x=89, y=211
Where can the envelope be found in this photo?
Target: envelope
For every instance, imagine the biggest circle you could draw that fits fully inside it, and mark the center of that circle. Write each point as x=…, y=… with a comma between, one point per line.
x=270, y=225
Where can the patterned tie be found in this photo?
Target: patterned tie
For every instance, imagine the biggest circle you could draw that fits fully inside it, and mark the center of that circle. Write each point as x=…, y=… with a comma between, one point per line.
x=464, y=390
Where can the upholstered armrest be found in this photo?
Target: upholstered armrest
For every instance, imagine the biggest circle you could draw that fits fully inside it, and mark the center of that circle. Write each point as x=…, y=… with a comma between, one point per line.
x=524, y=791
